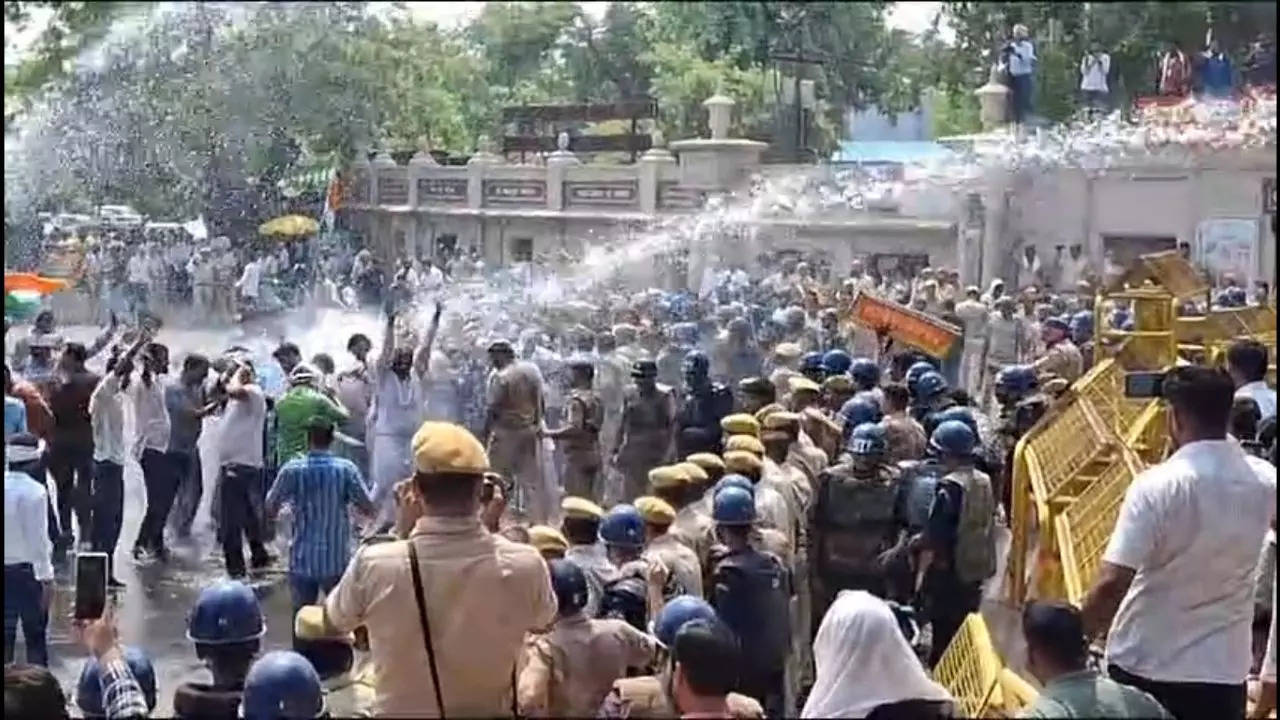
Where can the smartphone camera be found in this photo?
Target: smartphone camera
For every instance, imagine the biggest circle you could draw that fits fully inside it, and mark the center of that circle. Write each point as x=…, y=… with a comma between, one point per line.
x=1144, y=384
x=91, y=585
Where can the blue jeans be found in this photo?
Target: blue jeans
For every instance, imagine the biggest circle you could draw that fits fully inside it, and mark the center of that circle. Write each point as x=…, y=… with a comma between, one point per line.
x=22, y=604
x=188, y=487
x=108, y=507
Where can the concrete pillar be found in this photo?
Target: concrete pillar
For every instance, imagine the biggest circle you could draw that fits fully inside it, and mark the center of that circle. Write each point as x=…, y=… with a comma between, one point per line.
x=994, y=99
x=558, y=164
x=419, y=164
x=381, y=161
x=997, y=182
x=719, y=112
x=652, y=164
x=482, y=158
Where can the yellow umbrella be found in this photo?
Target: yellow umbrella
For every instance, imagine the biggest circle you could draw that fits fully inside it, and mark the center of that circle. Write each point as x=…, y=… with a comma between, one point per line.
x=290, y=226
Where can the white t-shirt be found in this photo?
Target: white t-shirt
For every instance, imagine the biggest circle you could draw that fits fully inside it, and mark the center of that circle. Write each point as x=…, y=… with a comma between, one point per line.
x=1264, y=396
x=139, y=269
x=106, y=414
x=248, y=282
x=240, y=433
x=150, y=415
x=1093, y=72
x=1191, y=527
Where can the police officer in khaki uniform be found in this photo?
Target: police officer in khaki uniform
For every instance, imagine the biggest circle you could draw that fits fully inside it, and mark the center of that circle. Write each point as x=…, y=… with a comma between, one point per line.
x=673, y=484
x=740, y=424
x=579, y=440
x=786, y=361
x=513, y=421
x=1061, y=358
x=772, y=532
x=650, y=696
x=647, y=432
x=550, y=543
x=581, y=528
x=693, y=523
x=755, y=393
x=569, y=669
x=471, y=594
x=682, y=563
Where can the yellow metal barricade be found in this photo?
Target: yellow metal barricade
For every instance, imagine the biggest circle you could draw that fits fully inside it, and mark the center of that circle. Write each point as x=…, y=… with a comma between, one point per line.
x=1084, y=526
x=972, y=671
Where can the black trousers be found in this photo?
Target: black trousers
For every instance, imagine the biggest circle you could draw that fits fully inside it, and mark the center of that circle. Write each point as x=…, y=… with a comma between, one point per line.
x=161, y=486
x=188, y=487
x=948, y=601
x=767, y=687
x=241, y=515
x=72, y=471
x=108, y=507
x=1188, y=700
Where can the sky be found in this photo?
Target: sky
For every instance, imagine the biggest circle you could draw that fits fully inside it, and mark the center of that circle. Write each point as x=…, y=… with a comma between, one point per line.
x=910, y=16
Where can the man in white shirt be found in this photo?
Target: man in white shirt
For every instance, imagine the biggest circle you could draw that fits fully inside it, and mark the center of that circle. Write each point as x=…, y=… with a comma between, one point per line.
x=1020, y=58
x=1072, y=269
x=1094, y=67
x=1247, y=364
x=106, y=416
x=249, y=280
x=151, y=423
x=974, y=314
x=28, y=569
x=240, y=459
x=1179, y=571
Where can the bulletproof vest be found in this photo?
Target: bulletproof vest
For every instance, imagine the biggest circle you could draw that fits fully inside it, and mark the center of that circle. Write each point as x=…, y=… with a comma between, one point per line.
x=705, y=408
x=647, y=413
x=751, y=593
x=1028, y=412
x=974, y=557
x=916, y=486
x=855, y=522
x=198, y=700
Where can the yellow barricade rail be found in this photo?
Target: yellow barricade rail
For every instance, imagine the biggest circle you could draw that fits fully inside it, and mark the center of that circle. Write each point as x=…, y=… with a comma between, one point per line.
x=1103, y=386
x=972, y=671
x=1085, y=524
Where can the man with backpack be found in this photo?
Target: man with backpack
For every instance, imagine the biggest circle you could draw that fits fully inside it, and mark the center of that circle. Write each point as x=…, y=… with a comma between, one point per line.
x=958, y=542
x=750, y=591
x=854, y=519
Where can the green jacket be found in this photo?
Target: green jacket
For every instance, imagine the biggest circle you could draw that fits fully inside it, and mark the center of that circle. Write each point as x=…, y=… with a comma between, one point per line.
x=1087, y=694
x=293, y=411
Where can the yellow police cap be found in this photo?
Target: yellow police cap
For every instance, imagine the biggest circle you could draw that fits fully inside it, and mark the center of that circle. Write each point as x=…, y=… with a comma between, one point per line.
x=655, y=511
x=838, y=383
x=706, y=461
x=748, y=443
x=775, y=436
x=577, y=507
x=740, y=424
x=440, y=447
x=695, y=472
x=742, y=461
x=782, y=420
x=768, y=410
x=800, y=383
x=547, y=538
x=668, y=476
x=788, y=351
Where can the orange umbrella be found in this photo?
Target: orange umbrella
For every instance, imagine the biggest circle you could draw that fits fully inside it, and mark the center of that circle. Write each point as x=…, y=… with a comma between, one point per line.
x=31, y=282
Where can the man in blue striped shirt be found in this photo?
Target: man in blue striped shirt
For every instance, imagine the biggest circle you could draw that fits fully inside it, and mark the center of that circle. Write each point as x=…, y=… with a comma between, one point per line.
x=320, y=486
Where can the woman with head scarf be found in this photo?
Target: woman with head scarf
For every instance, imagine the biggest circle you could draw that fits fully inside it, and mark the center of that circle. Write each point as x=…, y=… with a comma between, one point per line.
x=865, y=667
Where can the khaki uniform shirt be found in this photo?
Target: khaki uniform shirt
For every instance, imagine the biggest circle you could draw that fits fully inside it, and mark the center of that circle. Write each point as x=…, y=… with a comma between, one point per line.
x=682, y=563
x=646, y=697
x=1063, y=360
x=693, y=527
x=906, y=438
x=483, y=593
x=515, y=396
x=794, y=487
x=569, y=670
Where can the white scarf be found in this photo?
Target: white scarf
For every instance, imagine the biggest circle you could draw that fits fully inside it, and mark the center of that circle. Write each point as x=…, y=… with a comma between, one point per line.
x=863, y=661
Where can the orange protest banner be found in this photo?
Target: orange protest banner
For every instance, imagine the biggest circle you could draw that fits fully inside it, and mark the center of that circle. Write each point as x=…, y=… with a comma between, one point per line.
x=904, y=325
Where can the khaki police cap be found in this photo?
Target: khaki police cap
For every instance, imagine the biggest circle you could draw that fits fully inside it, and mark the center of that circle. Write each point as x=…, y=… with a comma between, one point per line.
x=749, y=443
x=668, y=476
x=547, y=538
x=740, y=424
x=577, y=507
x=838, y=383
x=763, y=413
x=800, y=383
x=440, y=447
x=789, y=351
x=742, y=461
x=655, y=511
x=695, y=472
x=775, y=436
x=706, y=461
x=782, y=420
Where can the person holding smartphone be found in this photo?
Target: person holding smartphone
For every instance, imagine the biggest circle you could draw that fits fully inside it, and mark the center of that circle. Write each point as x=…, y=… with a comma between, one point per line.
x=28, y=552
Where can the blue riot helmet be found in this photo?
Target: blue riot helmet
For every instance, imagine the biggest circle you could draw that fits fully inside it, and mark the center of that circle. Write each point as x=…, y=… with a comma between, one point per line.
x=957, y=412
x=622, y=526
x=930, y=386
x=1015, y=382
x=1081, y=325
x=914, y=372
x=678, y=611
x=836, y=362
x=684, y=333
x=226, y=613
x=865, y=373
x=868, y=440
x=733, y=506
x=953, y=439
x=811, y=366
x=1121, y=319
x=570, y=585
x=282, y=684
x=857, y=411
x=733, y=480
x=89, y=687
x=696, y=367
